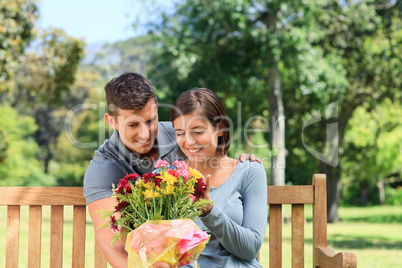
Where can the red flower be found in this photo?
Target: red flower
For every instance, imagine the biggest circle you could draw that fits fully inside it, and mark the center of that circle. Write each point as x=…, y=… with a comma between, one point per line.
x=121, y=205
x=124, y=186
x=148, y=177
x=199, y=188
x=113, y=223
x=174, y=173
x=157, y=182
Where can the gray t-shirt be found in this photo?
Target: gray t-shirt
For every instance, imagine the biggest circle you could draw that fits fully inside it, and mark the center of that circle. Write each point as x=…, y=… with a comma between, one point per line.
x=238, y=221
x=112, y=161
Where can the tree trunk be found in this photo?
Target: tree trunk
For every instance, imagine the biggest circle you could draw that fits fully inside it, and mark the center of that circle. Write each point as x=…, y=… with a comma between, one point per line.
x=277, y=124
x=46, y=161
x=329, y=163
x=334, y=187
x=276, y=109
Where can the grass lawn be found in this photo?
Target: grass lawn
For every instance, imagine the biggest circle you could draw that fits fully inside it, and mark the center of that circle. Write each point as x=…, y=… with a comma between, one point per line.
x=373, y=233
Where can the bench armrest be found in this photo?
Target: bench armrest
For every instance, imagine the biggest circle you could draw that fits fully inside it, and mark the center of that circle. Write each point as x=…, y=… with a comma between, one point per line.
x=325, y=257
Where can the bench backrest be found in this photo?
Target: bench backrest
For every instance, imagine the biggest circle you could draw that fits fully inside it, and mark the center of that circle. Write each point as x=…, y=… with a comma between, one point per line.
x=297, y=197
x=59, y=197
x=56, y=198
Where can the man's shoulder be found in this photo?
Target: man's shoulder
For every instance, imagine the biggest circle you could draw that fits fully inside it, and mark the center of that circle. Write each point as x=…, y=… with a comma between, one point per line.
x=103, y=167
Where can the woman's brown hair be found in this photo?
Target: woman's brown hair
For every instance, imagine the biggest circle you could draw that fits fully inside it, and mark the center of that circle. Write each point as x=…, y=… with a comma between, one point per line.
x=206, y=103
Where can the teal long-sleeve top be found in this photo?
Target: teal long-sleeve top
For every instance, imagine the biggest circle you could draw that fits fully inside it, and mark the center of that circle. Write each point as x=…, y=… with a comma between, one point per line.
x=238, y=221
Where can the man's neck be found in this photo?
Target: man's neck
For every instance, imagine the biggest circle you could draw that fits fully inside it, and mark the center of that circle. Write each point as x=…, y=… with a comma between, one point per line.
x=151, y=155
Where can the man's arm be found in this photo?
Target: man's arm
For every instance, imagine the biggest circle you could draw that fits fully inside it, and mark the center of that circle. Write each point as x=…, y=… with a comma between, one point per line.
x=116, y=255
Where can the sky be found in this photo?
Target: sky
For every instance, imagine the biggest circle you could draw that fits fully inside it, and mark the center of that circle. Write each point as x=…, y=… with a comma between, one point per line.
x=94, y=20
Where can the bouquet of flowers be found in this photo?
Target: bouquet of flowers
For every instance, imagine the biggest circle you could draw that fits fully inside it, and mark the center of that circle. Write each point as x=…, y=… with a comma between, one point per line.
x=156, y=213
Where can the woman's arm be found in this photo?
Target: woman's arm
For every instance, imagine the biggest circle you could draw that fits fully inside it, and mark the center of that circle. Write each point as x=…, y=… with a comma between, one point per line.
x=243, y=241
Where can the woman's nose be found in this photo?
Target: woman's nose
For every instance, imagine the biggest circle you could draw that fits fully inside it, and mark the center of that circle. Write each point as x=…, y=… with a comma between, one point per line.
x=189, y=139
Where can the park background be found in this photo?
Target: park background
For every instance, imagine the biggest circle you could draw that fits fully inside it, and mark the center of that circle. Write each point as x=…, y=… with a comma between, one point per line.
x=310, y=87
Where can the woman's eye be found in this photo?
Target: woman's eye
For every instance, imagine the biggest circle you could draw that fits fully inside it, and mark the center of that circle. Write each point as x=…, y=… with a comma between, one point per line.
x=198, y=132
x=179, y=134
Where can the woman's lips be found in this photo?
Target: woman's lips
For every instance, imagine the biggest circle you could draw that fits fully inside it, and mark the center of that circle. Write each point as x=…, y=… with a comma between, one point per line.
x=194, y=150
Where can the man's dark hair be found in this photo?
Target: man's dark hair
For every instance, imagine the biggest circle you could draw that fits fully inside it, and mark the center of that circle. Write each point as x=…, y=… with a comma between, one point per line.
x=129, y=91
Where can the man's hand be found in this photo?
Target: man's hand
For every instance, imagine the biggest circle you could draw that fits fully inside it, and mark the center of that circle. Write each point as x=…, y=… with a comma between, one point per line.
x=245, y=156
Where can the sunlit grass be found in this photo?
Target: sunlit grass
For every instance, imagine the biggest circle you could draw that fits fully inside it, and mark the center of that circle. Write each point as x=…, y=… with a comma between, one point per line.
x=373, y=233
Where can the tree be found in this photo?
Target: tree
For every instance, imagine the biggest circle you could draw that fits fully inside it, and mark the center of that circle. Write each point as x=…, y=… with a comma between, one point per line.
x=372, y=140
x=17, y=20
x=20, y=167
x=236, y=47
x=367, y=36
x=45, y=75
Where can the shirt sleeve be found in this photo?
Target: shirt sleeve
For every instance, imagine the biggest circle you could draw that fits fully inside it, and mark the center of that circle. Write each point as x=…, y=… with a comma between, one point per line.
x=99, y=178
x=243, y=241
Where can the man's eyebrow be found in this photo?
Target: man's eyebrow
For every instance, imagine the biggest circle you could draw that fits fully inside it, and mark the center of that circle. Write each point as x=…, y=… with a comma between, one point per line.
x=152, y=119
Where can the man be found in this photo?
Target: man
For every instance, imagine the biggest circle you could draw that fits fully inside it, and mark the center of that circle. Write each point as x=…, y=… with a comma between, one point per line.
x=138, y=140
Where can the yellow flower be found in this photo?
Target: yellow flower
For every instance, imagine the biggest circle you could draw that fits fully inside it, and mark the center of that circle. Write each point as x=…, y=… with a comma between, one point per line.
x=170, y=189
x=194, y=173
x=148, y=194
x=168, y=178
x=148, y=185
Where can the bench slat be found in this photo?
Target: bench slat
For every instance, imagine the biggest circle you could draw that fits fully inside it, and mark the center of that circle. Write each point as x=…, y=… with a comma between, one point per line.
x=275, y=236
x=56, y=236
x=297, y=236
x=34, y=236
x=303, y=194
x=79, y=220
x=13, y=235
x=44, y=196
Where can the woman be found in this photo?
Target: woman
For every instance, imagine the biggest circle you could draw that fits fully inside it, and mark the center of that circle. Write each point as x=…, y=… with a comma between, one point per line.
x=238, y=219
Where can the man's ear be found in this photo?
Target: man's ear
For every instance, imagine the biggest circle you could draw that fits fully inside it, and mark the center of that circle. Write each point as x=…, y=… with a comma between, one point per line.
x=111, y=120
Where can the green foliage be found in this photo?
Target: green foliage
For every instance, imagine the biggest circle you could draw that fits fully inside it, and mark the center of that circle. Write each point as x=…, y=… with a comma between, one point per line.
x=49, y=71
x=21, y=168
x=83, y=130
x=393, y=196
x=4, y=144
x=17, y=20
x=372, y=149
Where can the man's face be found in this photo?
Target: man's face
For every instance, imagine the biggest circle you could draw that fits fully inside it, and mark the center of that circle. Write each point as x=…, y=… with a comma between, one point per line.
x=137, y=129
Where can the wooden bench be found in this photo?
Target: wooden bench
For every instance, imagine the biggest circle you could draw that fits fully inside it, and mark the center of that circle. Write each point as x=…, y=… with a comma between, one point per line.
x=298, y=196
x=58, y=197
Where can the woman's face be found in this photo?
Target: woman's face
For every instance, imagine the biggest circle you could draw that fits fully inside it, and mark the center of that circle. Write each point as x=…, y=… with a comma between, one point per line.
x=197, y=137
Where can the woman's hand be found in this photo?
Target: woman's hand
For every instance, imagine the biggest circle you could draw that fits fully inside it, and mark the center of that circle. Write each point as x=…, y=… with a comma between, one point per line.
x=205, y=195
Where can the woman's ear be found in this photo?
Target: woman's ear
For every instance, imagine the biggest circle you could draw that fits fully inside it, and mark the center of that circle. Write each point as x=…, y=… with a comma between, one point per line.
x=221, y=129
x=110, y=119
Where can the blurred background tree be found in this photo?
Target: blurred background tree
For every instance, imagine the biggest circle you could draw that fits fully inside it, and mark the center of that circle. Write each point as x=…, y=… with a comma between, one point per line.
x=17, y=19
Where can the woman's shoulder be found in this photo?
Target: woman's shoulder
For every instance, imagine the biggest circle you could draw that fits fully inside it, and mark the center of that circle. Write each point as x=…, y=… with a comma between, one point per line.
x=251, y=166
